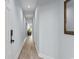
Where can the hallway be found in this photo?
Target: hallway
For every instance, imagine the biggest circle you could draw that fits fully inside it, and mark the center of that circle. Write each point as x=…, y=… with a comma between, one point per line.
x=45, y=20
x=29, y=51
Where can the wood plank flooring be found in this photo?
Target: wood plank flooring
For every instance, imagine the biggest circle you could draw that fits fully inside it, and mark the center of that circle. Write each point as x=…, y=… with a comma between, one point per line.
x=29, y=51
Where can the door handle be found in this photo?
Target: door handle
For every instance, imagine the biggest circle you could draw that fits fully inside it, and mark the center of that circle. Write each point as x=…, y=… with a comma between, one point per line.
x=11, y=35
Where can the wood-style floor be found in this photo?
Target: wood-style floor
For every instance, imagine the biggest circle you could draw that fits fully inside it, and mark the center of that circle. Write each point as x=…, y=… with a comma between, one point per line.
x=29, y=51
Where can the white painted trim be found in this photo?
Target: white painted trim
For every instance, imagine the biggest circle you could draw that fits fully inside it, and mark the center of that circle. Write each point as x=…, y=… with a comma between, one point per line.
x=45, y=56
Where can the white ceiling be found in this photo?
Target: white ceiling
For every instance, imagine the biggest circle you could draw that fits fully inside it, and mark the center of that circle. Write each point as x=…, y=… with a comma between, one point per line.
x=28, y=7
x=43, y=2
x=28, y=3
x=32, y=3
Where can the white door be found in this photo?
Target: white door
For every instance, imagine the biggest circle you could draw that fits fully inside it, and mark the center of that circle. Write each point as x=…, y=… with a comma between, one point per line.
x=8, y=25
x=14, y=22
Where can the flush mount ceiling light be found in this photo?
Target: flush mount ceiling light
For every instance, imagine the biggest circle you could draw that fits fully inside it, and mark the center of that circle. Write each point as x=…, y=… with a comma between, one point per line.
x=28, y=6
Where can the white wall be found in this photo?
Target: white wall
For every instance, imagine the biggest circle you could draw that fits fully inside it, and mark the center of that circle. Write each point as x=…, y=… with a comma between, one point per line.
x=13, y=21
x=52, y=41
x=67, y=47
x=49, y=30
x=66, y=42
x=36, y=28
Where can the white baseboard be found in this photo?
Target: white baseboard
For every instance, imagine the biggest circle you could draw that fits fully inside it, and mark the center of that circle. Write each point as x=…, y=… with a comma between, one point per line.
x=45, y=56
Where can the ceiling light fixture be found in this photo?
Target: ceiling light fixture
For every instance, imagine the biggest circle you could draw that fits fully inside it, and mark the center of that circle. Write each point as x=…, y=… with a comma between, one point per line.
x=28, y=6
